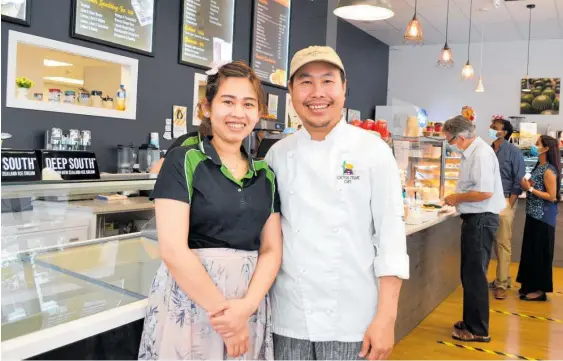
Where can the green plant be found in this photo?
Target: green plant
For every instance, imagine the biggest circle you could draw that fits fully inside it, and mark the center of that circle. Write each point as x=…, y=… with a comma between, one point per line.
x=556, y=104
x=527, y=98
x=24, y=82
x=549, y=92
x=539, y=84
x=542, y=102
x=549, y=112
x=536, y=92
x=526, y=108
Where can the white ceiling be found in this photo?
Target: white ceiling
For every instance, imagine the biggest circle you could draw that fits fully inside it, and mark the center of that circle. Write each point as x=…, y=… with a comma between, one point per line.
x=508, y=22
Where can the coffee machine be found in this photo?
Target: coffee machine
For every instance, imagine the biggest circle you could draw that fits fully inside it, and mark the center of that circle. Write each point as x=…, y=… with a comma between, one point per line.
x=265, y=134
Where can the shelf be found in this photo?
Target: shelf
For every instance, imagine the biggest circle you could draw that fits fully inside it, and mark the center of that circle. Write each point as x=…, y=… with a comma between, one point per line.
x=68, y=188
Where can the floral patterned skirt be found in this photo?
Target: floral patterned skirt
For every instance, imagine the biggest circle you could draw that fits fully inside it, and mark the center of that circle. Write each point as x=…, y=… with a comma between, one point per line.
x=176, y=328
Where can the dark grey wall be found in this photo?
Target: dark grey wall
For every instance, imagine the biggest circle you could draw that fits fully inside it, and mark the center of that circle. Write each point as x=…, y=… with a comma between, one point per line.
x=366, y=60
x=162, y=81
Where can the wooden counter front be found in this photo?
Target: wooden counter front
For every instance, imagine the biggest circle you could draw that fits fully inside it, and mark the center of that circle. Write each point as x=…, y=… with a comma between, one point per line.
x=434, y=273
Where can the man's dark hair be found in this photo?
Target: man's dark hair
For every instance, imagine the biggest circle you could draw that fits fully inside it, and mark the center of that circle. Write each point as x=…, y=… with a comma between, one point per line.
x=507, y=126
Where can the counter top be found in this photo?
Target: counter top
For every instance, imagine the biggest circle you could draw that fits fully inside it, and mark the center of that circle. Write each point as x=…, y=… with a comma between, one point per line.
x=97, y=206
x=413, y=228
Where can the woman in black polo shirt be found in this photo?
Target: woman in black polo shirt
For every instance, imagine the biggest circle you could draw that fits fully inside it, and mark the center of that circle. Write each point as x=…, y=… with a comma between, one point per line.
x=219, y=234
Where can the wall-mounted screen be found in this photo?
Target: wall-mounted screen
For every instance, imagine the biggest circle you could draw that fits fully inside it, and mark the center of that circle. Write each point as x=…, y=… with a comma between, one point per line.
x=207, y=32
x=270, y=40
x=125, y=24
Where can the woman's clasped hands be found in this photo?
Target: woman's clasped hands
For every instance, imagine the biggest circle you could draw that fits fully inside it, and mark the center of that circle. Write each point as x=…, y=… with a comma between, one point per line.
x=230, y=320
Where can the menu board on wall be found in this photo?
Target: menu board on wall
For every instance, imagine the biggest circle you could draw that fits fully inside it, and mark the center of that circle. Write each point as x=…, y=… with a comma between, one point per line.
x=270, y=40
x=207, y=32
x=125, y=24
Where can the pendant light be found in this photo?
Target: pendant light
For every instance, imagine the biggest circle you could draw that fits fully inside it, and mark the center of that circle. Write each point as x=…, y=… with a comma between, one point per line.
x=527, y=88
x=446, y=59
x=414, y=29
x=480, y=88
x=364, y=10
x=467, y=71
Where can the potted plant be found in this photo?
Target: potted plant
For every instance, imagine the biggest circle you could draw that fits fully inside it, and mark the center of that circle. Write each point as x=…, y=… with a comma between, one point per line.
x=23, y=84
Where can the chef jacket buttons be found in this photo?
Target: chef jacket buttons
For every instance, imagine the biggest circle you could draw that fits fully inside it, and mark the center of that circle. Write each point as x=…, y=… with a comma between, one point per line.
x=340, y=189
x=240, y=190
x=291, y=192
x=335, y=230
x=290, y=155
x=328, y=312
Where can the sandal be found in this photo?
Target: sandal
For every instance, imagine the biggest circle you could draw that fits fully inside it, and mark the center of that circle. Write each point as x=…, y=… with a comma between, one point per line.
x=466, y=336
x=459, y=325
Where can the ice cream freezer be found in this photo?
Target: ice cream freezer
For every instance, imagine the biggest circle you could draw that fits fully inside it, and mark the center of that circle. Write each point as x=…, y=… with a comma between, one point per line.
x=54, y=296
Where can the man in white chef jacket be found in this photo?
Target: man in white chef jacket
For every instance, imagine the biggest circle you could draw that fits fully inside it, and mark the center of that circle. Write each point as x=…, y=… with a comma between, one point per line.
x=345, y=254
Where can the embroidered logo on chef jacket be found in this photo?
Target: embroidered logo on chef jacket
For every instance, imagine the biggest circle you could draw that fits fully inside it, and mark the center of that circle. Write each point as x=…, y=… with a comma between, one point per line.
x=348, y=173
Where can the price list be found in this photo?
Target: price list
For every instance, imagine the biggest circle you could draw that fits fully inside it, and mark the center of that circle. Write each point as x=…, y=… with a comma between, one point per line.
x=271, y=40
x=207, y=31
x=122, y=23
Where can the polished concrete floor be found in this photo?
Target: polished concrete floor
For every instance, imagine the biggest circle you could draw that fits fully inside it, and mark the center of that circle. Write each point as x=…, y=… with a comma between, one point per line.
x=519, y=329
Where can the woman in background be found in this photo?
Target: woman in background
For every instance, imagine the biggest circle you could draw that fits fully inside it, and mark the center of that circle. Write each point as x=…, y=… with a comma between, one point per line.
x=219, y=234
x=543, y=193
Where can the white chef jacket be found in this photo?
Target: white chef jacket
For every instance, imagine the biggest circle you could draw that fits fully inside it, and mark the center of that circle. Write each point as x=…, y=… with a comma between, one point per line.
x=342, y=221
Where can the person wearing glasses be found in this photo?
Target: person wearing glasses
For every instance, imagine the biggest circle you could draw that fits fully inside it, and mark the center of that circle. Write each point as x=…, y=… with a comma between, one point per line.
x=479, y=197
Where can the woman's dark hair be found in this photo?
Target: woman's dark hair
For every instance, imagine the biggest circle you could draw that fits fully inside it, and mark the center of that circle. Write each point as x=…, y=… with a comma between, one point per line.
x=235, y=69
x=553, y=157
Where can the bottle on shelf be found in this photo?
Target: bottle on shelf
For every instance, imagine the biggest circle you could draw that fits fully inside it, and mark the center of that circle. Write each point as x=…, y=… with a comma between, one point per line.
x=121, y=98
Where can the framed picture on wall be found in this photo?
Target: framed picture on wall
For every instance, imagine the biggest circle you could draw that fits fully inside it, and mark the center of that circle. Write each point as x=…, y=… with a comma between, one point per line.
x=540, y=96
x=353, y=115
x=200, y=83
x=123, y=24
x=17, y=11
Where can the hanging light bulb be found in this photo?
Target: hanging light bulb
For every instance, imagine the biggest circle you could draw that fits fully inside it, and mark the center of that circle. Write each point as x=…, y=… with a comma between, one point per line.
x=446, y=59
x=414, y=29
x=467, y=72
x=363, y=10
x=480, y=88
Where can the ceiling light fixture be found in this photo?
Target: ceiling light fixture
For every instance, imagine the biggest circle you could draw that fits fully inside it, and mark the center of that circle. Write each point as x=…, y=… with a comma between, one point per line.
x=480, y=88
x=527, y=87
x=414, y=29
x=49, y=62
x=446, y=59
x=467, y=71
x=364, y=10
x=60, y=79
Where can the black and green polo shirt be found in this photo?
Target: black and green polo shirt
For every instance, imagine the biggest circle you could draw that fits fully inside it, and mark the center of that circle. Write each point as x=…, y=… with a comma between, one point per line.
x=224, y=212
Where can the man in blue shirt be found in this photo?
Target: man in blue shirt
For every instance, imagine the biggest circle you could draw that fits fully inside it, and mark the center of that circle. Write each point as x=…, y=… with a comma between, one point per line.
x=512, y=169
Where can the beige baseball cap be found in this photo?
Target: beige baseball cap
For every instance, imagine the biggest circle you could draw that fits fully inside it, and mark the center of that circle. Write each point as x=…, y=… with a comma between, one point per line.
x=315, y=53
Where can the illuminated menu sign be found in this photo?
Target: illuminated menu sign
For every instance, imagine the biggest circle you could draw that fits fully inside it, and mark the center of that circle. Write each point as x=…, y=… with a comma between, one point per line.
x=125, y=24
x=270, y=40
x=207, y=32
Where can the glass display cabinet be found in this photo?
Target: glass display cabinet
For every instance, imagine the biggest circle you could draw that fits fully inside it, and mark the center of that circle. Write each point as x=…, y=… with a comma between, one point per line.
x=78, y=259
x=422, y=164
x=58, y=295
